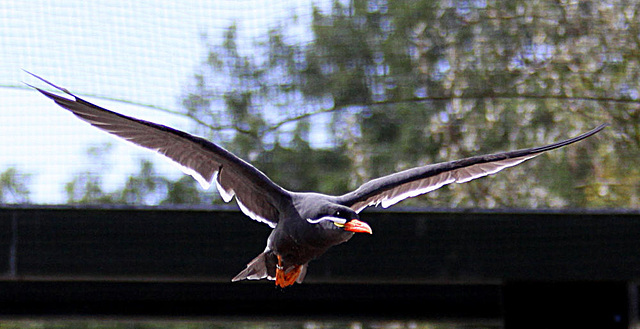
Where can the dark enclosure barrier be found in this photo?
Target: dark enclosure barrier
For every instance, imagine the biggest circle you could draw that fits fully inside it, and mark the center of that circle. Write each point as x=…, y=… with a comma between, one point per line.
x=526, y=267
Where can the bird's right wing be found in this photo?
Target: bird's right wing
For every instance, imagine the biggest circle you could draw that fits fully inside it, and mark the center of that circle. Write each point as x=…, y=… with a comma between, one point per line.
x=391, y=189
x=257, y=196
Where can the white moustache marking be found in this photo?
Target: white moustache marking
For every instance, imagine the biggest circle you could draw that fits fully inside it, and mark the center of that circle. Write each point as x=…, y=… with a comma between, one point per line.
x=336, y=220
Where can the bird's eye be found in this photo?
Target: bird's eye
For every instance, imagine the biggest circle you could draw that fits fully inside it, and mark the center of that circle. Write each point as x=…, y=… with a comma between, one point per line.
x=338, y=214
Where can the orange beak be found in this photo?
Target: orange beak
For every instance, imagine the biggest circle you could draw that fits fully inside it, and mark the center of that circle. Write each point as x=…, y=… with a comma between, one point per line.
x=357, y=226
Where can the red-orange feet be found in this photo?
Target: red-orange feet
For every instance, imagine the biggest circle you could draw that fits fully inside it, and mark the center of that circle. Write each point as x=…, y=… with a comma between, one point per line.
x=285, y=278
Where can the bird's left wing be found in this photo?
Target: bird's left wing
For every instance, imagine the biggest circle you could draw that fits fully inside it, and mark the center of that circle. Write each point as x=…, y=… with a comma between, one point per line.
x=389, y=190
x=257, y=196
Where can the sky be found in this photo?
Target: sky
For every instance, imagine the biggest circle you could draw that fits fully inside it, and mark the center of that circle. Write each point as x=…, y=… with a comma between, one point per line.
x=141, y=51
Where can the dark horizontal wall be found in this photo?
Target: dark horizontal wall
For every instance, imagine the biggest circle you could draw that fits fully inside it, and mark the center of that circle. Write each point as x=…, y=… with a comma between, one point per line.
x=407, y=246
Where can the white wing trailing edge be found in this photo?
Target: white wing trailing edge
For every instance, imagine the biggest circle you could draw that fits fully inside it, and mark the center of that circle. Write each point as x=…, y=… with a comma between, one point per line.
x=389, y=190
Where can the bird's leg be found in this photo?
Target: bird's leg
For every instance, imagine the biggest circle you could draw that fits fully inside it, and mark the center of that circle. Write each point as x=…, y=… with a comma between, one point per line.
x=286, y=278
x=280, y=275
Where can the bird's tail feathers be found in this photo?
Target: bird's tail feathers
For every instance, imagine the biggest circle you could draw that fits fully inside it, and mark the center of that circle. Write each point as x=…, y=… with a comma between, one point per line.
x=264, y=266
x=256, y=270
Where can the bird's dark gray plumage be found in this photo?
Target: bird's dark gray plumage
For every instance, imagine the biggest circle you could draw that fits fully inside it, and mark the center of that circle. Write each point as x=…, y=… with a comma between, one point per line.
x=304, y=225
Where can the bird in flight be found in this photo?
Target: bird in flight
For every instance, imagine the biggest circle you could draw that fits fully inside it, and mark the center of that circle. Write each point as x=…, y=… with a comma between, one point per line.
x=305, y=225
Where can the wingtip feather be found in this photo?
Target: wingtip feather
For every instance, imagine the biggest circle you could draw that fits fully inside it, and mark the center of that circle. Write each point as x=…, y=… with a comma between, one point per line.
x=47, y=82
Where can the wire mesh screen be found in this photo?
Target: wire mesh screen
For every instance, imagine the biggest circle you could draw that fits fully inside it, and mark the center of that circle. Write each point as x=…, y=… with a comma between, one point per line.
x=128, y=56
x=325, y=95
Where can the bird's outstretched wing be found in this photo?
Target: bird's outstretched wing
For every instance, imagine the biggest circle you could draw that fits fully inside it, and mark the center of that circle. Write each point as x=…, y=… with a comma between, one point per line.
x=257, y=196
x=389, y=190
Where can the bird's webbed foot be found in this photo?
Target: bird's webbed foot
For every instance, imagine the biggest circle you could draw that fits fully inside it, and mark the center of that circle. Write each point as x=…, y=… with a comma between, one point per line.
x=286, y=277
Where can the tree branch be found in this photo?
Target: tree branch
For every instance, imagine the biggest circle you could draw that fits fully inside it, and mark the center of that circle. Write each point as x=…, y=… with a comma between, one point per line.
x=279, y=124
x=508, y=96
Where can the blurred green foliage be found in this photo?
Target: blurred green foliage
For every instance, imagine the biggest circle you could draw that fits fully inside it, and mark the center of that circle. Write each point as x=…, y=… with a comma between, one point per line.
x=407, y=83
x=145, y=187
x=14, y=186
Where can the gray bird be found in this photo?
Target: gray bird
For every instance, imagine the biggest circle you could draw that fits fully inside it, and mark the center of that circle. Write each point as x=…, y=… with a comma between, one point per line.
x=305, y=224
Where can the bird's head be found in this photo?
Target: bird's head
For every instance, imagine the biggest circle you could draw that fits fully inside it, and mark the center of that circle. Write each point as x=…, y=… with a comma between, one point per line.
x=337, y=217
